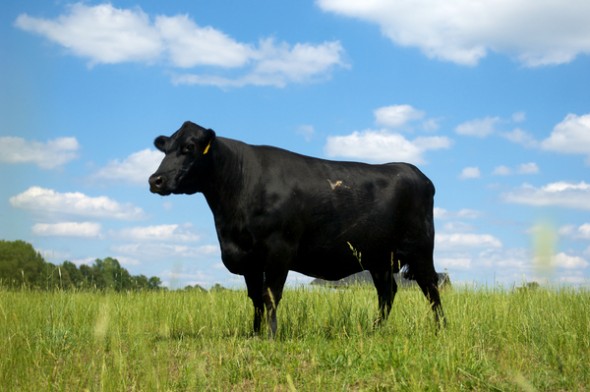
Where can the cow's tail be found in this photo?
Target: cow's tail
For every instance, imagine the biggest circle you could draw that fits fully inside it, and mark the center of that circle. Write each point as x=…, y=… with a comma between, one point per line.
x=419, y=263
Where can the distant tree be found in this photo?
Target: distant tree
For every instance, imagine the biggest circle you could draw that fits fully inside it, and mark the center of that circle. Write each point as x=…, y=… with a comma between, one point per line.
x=195, y=288
x=75, y=277
x=217, y=287
x=154, y=283
x=528, y=286
x=140, y=282
x=49, y=278
x=99, y=276
x=110, y=274
x=87, y=274
x=20, y=264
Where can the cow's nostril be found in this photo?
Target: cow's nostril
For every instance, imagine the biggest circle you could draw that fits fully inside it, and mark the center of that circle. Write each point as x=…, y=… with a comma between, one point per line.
x=156, y=182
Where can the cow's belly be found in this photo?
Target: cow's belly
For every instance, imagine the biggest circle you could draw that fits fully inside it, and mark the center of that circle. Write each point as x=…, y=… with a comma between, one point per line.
x=334, y=252
x=327, y=265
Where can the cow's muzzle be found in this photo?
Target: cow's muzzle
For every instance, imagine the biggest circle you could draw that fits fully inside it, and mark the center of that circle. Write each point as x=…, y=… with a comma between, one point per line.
x=158, y=184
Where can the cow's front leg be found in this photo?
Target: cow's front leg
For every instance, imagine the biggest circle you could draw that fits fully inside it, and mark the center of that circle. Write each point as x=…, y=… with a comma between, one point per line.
x=254, y=283
x=272, y=294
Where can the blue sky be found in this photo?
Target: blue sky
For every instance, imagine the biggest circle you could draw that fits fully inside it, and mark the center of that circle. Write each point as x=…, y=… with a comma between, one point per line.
x=490, y=100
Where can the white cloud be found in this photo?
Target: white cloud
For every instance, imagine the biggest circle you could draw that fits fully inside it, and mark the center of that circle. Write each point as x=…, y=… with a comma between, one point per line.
x=209, y=249
x=399, y=117
x=468, y=213
x=446, y=241
x=479, y=127
x=440, y=213
x=123, y=260
x=49, y=155
x=430, y=124
x=197, y=277
x=464, y=213
x=535, y=32
x=45, y=200
x=570, y=136
x=502, y=171
x=54, y=256
x=563, y=186
x=505, y=264
x=396, y=116
x=84, y=260
x=575, y=280
x=527, y=168
x=296, y=63
x=566, y=230
x=454, y=221
x=519, y=117
x=521, y=137
x=105, y=34
x=584, y=231
x=580, y=232
x=457, y=227
x=462, y=263
x=136, y=168
x=566, y=261
x=101, y=33
x=470, y=173
x=190, y=45
x=157, y=251
x=386, y=144
x=307, y=131
x=524, y=168
x=432, y=143
x=383, y=146
x=172, y=232
x=277, y=65
x=68, y=229
x=559, y=194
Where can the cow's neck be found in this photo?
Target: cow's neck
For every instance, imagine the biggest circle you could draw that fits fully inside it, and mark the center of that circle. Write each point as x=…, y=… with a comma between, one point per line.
x=223, y=192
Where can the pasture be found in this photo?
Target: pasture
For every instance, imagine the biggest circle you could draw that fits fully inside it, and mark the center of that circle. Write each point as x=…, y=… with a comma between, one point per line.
x=496, y=339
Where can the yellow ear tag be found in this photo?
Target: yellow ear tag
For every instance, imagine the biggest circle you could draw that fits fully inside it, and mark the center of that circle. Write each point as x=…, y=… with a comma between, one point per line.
x=207, y=147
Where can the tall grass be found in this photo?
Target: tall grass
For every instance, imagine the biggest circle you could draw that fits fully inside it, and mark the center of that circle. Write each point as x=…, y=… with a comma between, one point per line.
x=495, y=340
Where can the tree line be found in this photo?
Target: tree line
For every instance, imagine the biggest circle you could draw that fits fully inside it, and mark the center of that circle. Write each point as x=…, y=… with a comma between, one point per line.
x=21, y=266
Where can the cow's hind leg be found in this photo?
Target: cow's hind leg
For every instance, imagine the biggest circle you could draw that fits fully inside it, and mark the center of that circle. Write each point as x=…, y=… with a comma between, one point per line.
x=429, y=286
x=386, y=289
x=417, y=255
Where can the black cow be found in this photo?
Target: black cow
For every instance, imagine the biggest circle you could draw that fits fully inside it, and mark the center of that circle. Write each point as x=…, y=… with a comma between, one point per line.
x=276, y=211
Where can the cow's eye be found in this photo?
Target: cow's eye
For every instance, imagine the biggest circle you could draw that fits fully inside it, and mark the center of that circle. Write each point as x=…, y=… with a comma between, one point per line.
x=188, y=148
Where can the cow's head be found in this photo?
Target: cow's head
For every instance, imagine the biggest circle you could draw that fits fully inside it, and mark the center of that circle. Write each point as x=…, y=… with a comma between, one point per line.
x=186, y=162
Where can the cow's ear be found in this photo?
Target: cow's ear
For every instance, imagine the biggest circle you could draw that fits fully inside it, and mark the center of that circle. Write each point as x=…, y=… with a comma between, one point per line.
x=208, y=140
x=161, y=142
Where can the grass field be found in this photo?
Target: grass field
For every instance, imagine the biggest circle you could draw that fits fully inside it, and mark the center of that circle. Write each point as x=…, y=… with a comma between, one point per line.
x=174, y=341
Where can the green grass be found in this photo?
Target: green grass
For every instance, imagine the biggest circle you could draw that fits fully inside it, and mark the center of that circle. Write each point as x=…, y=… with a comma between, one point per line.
x=495, y=340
